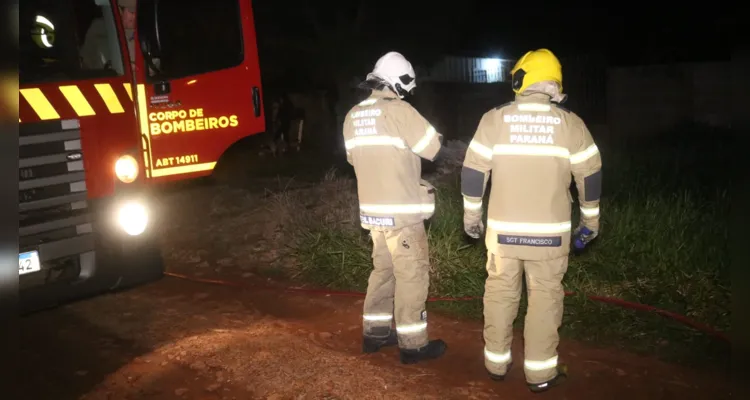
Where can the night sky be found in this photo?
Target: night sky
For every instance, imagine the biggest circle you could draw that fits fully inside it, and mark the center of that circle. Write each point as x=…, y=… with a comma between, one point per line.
x=637, y=32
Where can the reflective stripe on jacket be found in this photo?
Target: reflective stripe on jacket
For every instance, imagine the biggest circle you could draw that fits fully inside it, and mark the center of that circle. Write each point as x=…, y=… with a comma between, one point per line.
x=384, y=138
x=532, y=147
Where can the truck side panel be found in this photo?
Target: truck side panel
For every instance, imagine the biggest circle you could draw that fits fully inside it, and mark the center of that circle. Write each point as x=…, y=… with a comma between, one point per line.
x=204, y=97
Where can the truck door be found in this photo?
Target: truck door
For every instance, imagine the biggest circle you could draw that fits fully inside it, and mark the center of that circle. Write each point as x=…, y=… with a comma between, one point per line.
x=199, y=83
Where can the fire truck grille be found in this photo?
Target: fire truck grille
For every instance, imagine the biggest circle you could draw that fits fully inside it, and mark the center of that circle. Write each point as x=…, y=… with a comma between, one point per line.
x=55, y=218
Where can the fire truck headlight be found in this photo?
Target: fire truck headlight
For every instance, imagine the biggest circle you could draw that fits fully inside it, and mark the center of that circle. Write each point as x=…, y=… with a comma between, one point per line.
x=126, y=169
x=133, y=218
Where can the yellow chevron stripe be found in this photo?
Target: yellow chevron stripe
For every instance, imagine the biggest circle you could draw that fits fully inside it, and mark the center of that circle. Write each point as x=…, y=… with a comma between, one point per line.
x=129, y=90
x=110, y=98
x=40, y=104
x=76, y=99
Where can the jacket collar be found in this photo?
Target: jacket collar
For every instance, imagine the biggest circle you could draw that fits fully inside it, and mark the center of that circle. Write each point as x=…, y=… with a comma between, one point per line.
x=533, y=97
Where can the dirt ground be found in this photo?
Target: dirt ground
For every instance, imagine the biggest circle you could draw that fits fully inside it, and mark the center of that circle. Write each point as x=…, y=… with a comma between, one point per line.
x=178, y=339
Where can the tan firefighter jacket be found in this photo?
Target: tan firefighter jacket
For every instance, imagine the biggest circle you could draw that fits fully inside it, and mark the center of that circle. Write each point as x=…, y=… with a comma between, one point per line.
x=532, y=147
x=385, y=138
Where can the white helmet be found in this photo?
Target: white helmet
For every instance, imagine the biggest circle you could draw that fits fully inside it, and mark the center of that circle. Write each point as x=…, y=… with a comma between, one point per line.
x=396, y=71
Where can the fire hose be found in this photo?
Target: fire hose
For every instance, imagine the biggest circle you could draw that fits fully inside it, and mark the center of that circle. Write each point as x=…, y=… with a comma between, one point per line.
x=601, y=299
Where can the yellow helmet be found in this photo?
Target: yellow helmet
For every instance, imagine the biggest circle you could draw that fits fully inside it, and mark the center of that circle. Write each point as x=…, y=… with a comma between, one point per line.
x=536, y=66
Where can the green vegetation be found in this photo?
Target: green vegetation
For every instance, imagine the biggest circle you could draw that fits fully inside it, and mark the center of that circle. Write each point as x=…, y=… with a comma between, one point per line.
x=663, y=243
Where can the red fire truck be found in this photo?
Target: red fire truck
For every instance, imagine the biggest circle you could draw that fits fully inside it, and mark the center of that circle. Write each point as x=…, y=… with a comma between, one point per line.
x=112, y=100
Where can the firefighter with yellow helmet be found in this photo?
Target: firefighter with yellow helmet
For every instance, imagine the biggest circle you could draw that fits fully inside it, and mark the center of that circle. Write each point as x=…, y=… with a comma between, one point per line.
x=531, y=146
x=385, y=137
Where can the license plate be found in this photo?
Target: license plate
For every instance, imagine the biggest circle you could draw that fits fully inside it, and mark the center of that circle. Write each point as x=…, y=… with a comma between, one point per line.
x=28, y=262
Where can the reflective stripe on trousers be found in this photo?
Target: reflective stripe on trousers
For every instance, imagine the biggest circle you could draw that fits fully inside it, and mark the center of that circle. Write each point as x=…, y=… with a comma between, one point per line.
x=497, y=363
x=405, y=329
x=538, y=366
x=378, y=317
x=502, y=296
x=400, y=255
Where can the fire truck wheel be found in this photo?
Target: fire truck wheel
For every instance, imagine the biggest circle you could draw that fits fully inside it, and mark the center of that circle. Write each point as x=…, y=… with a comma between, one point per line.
x=143, y=267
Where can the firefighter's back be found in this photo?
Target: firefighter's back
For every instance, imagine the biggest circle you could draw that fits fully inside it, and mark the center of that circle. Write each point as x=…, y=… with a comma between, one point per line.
x=388, y=172
x=530, y=202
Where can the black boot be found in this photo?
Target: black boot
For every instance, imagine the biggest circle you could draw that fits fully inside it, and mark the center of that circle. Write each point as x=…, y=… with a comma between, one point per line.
x=371, y=344
x=497, y=377
x=433, y=349
x=562, y=374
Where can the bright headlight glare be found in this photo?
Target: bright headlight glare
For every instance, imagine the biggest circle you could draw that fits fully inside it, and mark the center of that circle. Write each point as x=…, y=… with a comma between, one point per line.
x=133, y=218
x=126, y=169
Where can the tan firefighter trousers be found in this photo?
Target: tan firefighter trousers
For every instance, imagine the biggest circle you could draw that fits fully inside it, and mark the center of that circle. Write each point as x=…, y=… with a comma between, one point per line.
x=399, y=282
x=502, y=295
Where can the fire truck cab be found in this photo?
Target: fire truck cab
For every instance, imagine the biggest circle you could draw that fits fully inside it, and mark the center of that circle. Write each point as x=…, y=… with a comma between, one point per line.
x=115, y=97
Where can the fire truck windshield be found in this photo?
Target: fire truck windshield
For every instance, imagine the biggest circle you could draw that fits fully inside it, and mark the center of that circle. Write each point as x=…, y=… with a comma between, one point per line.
x=67, y=40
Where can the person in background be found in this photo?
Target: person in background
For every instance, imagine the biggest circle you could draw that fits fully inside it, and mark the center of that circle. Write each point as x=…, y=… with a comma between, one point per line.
x=283, y=112
x=95, y=51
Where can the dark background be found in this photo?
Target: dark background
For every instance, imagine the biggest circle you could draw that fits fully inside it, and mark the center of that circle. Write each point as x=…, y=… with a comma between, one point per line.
x=626, y=33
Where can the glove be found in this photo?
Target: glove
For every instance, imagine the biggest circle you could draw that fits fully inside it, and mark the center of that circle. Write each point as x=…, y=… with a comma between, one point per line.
x=582, y=236
x=473, y=225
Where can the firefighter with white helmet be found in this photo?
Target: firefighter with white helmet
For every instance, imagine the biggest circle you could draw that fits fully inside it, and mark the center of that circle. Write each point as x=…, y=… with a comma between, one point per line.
x=531, y=145
x=384, y=138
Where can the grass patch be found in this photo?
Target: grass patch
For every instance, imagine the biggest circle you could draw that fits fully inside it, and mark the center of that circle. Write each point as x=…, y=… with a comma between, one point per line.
x=663, y=243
